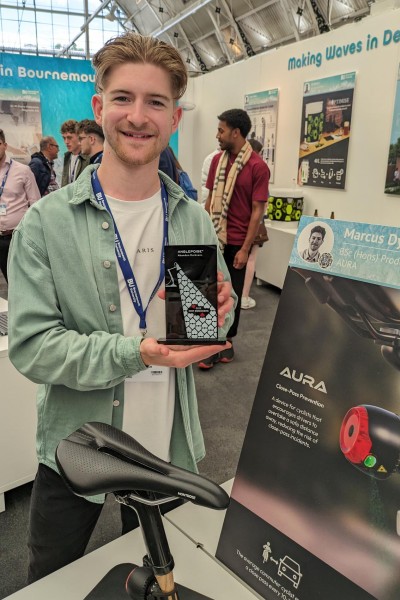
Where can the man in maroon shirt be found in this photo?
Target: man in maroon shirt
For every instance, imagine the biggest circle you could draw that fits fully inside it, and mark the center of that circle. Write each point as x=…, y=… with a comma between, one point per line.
x=246, y=207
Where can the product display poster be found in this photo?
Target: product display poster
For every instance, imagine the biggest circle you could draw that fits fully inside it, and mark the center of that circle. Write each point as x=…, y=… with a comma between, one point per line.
x=262, y=108
x=315, y=504
x=325, y=131
x=392, y=184
x=21, y=121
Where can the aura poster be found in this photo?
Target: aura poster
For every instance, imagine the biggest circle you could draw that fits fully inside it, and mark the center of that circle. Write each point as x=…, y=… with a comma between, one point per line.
x=262, y=108
x=325, y=131
x=392, y=183
x=315, y=503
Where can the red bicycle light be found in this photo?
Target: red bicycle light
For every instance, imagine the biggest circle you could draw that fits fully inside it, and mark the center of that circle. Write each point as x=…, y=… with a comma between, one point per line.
x=370, y=440
x=355, y=442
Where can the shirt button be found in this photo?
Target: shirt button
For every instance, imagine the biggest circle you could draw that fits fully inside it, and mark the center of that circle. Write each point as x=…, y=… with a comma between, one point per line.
x=112, y=308
x=116, y=403
x=106, y=264
x=105, y=225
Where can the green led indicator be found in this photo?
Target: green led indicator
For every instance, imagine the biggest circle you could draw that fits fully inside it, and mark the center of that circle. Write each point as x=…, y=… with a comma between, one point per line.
x=370, y=461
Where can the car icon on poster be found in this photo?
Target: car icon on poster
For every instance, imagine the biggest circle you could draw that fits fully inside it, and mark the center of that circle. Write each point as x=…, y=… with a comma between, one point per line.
x=291, y=569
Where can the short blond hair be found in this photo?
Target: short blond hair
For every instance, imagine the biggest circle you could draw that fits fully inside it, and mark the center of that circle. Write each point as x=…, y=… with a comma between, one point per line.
x=135, y=48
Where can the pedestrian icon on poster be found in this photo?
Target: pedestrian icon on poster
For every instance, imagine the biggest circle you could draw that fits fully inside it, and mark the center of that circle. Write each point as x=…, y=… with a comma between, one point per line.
x=266, y=552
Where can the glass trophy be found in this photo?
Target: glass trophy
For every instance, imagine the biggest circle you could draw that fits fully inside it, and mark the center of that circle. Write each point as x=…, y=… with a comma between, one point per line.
x=191, y=290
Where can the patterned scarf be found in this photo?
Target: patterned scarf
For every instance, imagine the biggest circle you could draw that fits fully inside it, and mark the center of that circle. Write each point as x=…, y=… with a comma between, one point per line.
x=223, y=190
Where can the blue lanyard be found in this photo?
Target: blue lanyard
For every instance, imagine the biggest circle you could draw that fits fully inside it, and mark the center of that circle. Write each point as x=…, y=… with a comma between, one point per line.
x=98, y=159
x=3, y=183
x=123, y=259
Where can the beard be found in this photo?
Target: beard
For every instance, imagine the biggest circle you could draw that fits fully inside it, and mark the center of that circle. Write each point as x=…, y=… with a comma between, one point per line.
x=135, y=154
x=226, y=146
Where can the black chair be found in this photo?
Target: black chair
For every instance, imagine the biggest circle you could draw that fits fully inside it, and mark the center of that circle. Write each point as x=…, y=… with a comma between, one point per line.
x=98, y=459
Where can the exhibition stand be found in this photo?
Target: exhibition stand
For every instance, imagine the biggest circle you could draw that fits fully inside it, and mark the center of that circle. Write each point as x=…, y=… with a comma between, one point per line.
x=18, y=463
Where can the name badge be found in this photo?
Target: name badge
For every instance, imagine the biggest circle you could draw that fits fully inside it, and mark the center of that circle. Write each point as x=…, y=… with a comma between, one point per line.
x=3, y=209
x=150, y=375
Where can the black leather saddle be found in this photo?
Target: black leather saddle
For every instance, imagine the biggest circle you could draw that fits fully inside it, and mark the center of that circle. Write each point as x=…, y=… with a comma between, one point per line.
x=98, y=458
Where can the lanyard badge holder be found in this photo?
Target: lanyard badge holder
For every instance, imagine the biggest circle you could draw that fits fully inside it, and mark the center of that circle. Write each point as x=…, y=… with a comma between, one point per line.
x=123, y=259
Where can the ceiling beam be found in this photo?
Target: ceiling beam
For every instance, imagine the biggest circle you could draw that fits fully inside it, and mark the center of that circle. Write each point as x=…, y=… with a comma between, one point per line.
x=315, y=10
x=256, y=10
x=234, y=25
x=287, y=10
x=219, y=37
x=181, y=16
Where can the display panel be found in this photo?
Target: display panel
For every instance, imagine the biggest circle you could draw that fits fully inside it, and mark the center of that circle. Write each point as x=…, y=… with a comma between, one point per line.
x=325, y=131
x=315, y=503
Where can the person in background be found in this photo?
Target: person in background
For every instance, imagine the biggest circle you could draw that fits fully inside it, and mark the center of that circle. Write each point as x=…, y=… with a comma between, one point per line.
x=238, y=190
x=18, y=191
x=74, y=161
x=42, y=165
x=167, y=164
x=76, y=327
x=204, y=174
x=91, y=139
x=248, y=302
x=171, y=166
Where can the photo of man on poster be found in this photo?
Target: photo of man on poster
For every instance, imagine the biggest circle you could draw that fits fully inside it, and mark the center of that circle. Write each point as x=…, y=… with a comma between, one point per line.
x=316, y=239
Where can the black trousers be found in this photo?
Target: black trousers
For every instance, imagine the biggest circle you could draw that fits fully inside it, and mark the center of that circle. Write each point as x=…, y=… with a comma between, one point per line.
x=5, y=241
x=237, y=277
x=60, y=524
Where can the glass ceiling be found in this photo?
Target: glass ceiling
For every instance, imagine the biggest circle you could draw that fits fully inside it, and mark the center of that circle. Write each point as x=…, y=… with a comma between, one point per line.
x=46, y=26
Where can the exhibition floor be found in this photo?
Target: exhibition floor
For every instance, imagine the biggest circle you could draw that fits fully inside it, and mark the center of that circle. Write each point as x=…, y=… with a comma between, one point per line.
x=225, y=394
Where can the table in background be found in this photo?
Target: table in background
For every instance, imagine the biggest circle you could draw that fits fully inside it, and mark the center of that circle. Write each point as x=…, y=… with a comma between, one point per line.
x=273, y=257
x=18, y=463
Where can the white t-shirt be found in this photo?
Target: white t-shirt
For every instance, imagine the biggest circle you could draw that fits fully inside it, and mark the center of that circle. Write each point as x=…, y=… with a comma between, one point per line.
x=149, y=406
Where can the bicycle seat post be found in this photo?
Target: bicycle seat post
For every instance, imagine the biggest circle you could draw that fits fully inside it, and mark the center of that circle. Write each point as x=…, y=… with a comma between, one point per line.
x=158, y=552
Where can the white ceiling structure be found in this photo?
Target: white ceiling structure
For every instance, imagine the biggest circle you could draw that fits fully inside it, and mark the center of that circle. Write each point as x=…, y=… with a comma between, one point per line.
x=209, y=33
x=212, y=33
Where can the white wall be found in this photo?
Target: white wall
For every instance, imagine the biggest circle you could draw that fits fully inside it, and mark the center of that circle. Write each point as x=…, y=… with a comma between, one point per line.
x=363, y=199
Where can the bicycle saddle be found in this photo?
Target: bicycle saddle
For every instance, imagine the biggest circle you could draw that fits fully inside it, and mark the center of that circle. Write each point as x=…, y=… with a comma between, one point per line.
x=98, y=458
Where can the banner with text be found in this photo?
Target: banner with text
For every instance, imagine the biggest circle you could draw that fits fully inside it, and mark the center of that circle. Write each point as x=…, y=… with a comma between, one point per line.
x=316, y=499
x=325, y=131
x=262, y=108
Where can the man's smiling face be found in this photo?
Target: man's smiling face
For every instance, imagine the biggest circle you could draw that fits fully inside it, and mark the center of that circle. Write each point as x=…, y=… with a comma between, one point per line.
x=137, y=112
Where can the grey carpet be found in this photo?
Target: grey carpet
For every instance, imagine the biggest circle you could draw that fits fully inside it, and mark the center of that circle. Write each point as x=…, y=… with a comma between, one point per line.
x=225, y=395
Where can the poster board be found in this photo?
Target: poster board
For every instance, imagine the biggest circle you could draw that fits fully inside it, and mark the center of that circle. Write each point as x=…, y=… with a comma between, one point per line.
x=21, y=122
x=325, y=131
x=305, y=521
x=262, y=108
x=392, y=183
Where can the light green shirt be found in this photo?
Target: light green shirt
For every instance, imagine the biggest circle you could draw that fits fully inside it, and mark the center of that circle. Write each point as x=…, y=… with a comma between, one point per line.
x=65, y=324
